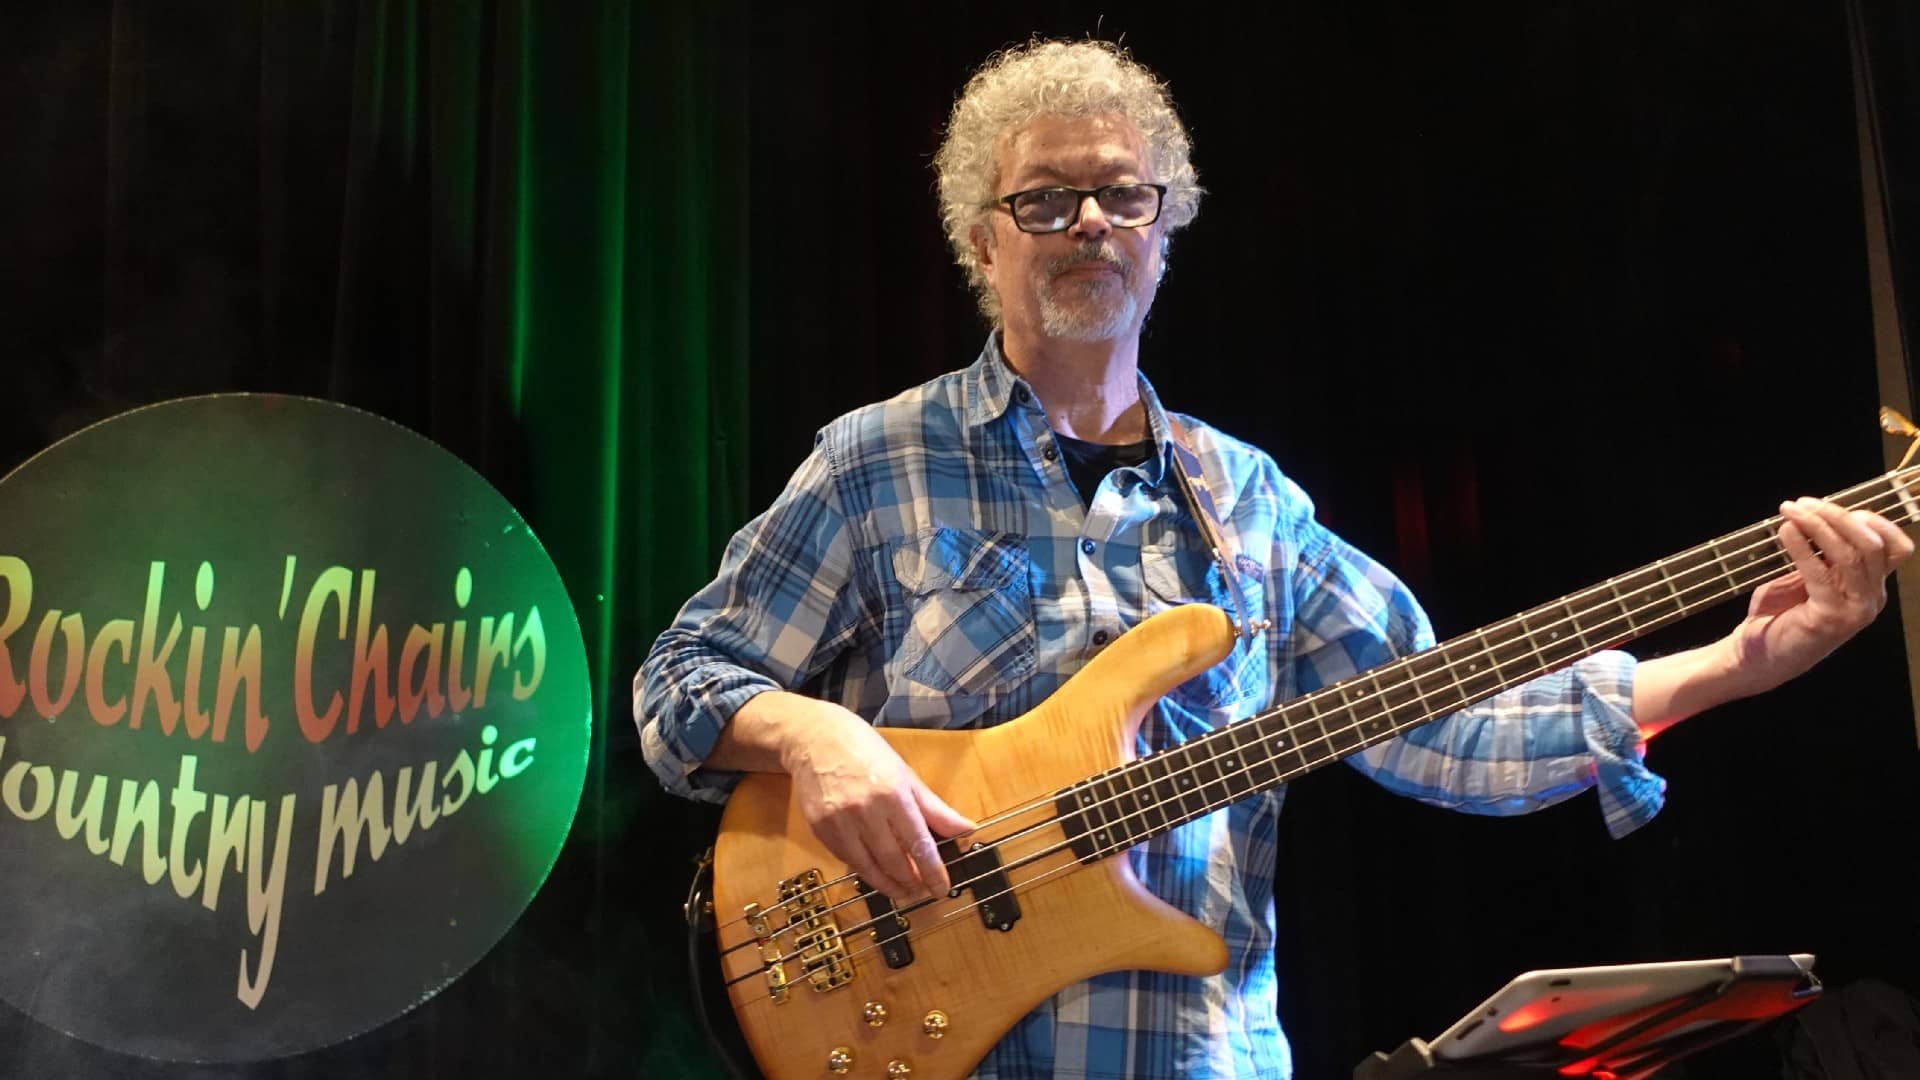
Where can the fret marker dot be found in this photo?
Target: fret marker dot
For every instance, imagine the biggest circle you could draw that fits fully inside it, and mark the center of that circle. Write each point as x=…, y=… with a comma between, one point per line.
x=1555, y=635
x=1187, y=780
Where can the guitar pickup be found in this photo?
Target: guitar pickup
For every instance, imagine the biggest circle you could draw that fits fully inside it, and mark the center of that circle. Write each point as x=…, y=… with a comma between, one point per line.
x=978, y=871
x=889, y=927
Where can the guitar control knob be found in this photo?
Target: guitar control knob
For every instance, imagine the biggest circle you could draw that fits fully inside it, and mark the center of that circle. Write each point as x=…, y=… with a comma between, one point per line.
x=935, y=1025
x=874, y=1013
x=839, y=1060
x=898, y=1070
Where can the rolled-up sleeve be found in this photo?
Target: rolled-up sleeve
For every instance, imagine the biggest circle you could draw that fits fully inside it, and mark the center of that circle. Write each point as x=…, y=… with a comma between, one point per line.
x=782, y=605
x=1525, y=748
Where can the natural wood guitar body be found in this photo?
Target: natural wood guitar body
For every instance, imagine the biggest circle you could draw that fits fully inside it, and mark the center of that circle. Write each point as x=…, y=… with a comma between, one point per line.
x=1075, y=920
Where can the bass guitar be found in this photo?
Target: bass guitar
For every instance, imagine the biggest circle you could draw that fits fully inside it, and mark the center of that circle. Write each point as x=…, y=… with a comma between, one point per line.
x=827, y=978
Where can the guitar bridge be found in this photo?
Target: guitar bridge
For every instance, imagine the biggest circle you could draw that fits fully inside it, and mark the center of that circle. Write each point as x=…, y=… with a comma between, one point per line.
x=821, y=950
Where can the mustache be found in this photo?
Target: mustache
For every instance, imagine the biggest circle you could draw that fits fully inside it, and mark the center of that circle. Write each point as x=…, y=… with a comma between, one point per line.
x=1092, y=254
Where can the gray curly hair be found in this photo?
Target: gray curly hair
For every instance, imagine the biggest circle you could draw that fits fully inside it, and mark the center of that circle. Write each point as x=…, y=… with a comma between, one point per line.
x=1053, y=78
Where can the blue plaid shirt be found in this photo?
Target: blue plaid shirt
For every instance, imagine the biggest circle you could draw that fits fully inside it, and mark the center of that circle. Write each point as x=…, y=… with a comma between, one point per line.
x=930, y=564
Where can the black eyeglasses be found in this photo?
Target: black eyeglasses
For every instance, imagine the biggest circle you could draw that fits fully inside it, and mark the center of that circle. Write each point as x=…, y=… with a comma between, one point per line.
x=1053, y=209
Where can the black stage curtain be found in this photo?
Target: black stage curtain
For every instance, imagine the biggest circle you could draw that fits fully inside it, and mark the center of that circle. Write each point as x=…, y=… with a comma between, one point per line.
x=1525, y=294
x=512, y=227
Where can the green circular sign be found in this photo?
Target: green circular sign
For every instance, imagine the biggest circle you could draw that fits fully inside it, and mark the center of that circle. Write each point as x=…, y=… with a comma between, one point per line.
x=294, y=718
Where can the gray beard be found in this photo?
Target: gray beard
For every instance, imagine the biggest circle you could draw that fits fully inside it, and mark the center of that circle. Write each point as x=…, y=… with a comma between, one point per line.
x=1097, y=310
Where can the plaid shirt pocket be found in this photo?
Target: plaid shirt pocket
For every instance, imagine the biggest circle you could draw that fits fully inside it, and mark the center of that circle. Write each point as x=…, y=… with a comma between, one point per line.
x=970, y=629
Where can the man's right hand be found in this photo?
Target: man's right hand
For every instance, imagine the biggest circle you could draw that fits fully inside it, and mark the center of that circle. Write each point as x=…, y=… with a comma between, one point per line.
x=864, y=803
x=859, y=798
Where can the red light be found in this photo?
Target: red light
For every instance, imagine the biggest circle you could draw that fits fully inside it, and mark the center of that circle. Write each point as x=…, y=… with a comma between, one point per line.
x=1567, y=1003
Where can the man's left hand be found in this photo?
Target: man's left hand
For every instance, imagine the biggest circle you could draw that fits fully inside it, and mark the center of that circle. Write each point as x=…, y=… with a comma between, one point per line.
x=1841, y=559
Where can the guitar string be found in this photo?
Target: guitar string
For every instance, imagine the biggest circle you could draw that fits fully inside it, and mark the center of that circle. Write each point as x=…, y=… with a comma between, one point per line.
x=948, y=918
x=1127, y=842
x=1765, y=529
x=1233, y=746
x=1717, y=594
x=1765, y=539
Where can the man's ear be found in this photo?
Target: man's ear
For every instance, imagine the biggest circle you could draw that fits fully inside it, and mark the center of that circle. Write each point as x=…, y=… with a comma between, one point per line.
x=981, y=236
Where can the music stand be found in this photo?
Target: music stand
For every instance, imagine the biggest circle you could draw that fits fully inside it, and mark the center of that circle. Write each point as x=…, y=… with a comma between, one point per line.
x=1622, y=1022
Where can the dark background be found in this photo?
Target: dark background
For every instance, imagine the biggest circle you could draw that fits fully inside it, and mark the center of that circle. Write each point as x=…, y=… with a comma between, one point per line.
x=1525, y=294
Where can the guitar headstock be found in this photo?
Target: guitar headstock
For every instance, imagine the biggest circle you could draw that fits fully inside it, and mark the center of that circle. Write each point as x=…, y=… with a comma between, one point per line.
x=1893, y=423
x=1902, y=476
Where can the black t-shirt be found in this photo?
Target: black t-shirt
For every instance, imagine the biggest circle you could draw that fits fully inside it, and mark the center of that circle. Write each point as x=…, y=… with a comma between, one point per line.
x=1089, y=463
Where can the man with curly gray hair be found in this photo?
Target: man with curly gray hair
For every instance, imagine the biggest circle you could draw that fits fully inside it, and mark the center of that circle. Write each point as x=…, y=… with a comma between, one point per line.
x=1053, y=79
x=948, y=558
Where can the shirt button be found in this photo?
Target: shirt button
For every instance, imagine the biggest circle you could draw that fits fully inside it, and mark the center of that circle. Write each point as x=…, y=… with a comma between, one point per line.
x=1020, y=393
x=1099, y=637
x=1086, y=546
x=1051, y=452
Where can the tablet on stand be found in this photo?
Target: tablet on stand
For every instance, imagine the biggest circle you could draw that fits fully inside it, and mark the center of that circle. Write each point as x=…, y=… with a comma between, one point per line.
x=1615, y=1022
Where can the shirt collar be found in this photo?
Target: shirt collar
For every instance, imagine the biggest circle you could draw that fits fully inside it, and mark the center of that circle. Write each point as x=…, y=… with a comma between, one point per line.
x=1162, y=459
x=992, y=388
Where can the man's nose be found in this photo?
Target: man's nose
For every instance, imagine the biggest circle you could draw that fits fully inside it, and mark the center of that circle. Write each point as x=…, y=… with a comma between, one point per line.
x=1093, y=223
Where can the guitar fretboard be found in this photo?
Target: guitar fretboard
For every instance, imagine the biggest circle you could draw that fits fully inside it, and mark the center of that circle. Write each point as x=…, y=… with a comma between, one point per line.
x=1143, y=799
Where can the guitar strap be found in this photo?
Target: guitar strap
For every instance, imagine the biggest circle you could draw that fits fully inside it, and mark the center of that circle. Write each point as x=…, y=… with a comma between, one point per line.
x=709, y=997
x=1193, y=484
